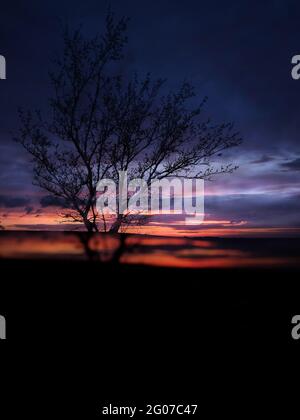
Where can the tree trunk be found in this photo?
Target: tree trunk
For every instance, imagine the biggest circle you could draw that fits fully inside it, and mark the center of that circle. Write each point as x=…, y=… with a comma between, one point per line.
x=116, y=225
x=90, y=227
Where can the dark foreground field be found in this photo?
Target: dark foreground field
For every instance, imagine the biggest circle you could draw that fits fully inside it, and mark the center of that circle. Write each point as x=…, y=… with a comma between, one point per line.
x=84, y=329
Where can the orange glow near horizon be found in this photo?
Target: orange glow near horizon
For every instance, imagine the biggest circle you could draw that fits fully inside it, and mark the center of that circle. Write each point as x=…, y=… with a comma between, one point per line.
x=51, y=220
x=140, y=250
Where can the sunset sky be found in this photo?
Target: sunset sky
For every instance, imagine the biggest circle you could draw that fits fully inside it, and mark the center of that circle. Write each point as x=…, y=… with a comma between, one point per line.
x=236, y=53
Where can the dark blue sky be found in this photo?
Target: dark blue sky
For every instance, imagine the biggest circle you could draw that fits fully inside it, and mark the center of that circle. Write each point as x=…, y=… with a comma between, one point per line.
x=238, y=53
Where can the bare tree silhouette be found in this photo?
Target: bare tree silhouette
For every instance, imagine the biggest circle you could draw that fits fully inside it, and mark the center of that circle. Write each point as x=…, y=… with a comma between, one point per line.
x=100, y=123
